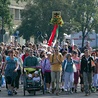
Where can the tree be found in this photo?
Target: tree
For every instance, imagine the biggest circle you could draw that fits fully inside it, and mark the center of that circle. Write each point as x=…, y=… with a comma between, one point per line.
x=17, y=1
x=78, y=15
x=37, y=15
x=5, y=17
x=5, y=13
x=84, y=14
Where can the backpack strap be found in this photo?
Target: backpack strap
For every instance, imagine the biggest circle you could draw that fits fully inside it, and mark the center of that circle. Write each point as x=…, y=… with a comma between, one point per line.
x=65, y=64
x=52, y=58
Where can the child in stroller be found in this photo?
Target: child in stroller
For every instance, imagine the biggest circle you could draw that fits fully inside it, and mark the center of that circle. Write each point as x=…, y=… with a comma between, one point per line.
x=34, y=80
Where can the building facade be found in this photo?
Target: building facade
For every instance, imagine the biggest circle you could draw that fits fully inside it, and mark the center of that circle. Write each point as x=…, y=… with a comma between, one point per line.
x=15, y=10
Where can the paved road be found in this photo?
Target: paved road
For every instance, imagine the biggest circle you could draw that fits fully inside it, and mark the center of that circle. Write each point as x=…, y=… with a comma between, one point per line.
x=3, y=93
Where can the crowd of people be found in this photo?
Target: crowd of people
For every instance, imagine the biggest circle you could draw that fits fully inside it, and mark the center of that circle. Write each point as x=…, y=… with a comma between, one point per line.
x=63, y=67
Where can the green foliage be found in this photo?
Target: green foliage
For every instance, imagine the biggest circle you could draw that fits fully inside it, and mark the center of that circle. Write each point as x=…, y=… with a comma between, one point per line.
x=78, y=15
x=5, y=12
x=84, y=14
x=17, y=1
x=36, y=17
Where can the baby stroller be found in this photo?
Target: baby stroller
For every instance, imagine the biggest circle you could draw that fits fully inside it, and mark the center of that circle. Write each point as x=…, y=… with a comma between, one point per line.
x=28, y=83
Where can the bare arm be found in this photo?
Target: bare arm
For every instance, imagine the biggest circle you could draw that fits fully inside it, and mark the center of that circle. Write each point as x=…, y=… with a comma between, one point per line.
x=17, y=66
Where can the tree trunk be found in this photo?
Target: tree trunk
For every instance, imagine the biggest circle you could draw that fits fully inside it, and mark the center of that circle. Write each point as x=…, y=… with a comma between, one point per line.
x=83, y=38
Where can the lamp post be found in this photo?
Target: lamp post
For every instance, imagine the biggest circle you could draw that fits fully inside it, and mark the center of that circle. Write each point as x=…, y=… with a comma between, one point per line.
x=16, y=37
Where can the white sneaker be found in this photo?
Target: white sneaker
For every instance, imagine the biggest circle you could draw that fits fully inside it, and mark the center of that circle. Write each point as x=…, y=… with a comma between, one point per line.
x=65, y=90
x=0, y=89
x=4, y=85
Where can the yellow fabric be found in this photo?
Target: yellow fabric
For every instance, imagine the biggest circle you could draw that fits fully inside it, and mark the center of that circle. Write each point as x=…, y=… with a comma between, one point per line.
x=29, y=69
x=53, y=59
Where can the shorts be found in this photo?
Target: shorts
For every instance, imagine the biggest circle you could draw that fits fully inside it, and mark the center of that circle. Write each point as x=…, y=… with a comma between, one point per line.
x=47, y=77
x=9, y=80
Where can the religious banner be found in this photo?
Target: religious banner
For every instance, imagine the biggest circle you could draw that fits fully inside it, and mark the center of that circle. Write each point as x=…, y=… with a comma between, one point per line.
x=56, y=21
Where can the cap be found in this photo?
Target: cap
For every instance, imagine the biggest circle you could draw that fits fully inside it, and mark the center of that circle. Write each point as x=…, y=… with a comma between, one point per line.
x=30, y=75
x=36, y=72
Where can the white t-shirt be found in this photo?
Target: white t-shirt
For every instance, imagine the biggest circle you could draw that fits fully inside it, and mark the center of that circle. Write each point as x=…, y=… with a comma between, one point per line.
x=36, y=79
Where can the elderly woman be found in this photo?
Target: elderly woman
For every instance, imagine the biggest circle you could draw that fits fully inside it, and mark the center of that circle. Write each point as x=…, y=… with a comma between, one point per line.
x=68, y=73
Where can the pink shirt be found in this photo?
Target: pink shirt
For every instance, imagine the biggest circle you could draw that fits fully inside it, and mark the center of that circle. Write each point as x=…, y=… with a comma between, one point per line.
x=77, y=62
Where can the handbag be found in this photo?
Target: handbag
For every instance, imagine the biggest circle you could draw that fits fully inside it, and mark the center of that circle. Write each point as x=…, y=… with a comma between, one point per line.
x=74, y=68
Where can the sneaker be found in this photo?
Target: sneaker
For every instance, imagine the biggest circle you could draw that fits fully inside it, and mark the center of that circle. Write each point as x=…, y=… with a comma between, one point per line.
x=75, y=90
x=89, y=92
x=15, y=92
x=48, y=91
x=65, y=90
x=0, y=89
x=86, y=94
x=62, y=88
x=82, y=89
x=57, y=93
x=10, y=93
x=97, y=89
x=53, y=91
x=71, y=92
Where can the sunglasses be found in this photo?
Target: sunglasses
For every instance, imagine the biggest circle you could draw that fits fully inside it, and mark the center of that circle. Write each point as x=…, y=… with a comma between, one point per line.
x=56, y=50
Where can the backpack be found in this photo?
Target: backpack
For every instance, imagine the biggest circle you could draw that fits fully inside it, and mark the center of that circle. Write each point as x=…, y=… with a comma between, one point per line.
x=74, y=66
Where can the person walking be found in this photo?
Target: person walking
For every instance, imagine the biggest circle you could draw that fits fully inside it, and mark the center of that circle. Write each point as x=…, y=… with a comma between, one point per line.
x=68, y=73
x=0, y=67
x=46, y=69
x=76, y=61
x=56, y=69
x=30, y=60
x=87, y=70
x=11, y=67
x=19, y=70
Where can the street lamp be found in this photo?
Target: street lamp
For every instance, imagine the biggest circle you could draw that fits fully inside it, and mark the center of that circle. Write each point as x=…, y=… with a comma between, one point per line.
x=17, y=34
x=16, y=38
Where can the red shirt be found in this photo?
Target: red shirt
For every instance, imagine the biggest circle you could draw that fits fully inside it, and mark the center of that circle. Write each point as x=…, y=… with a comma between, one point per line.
x=24, y=56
